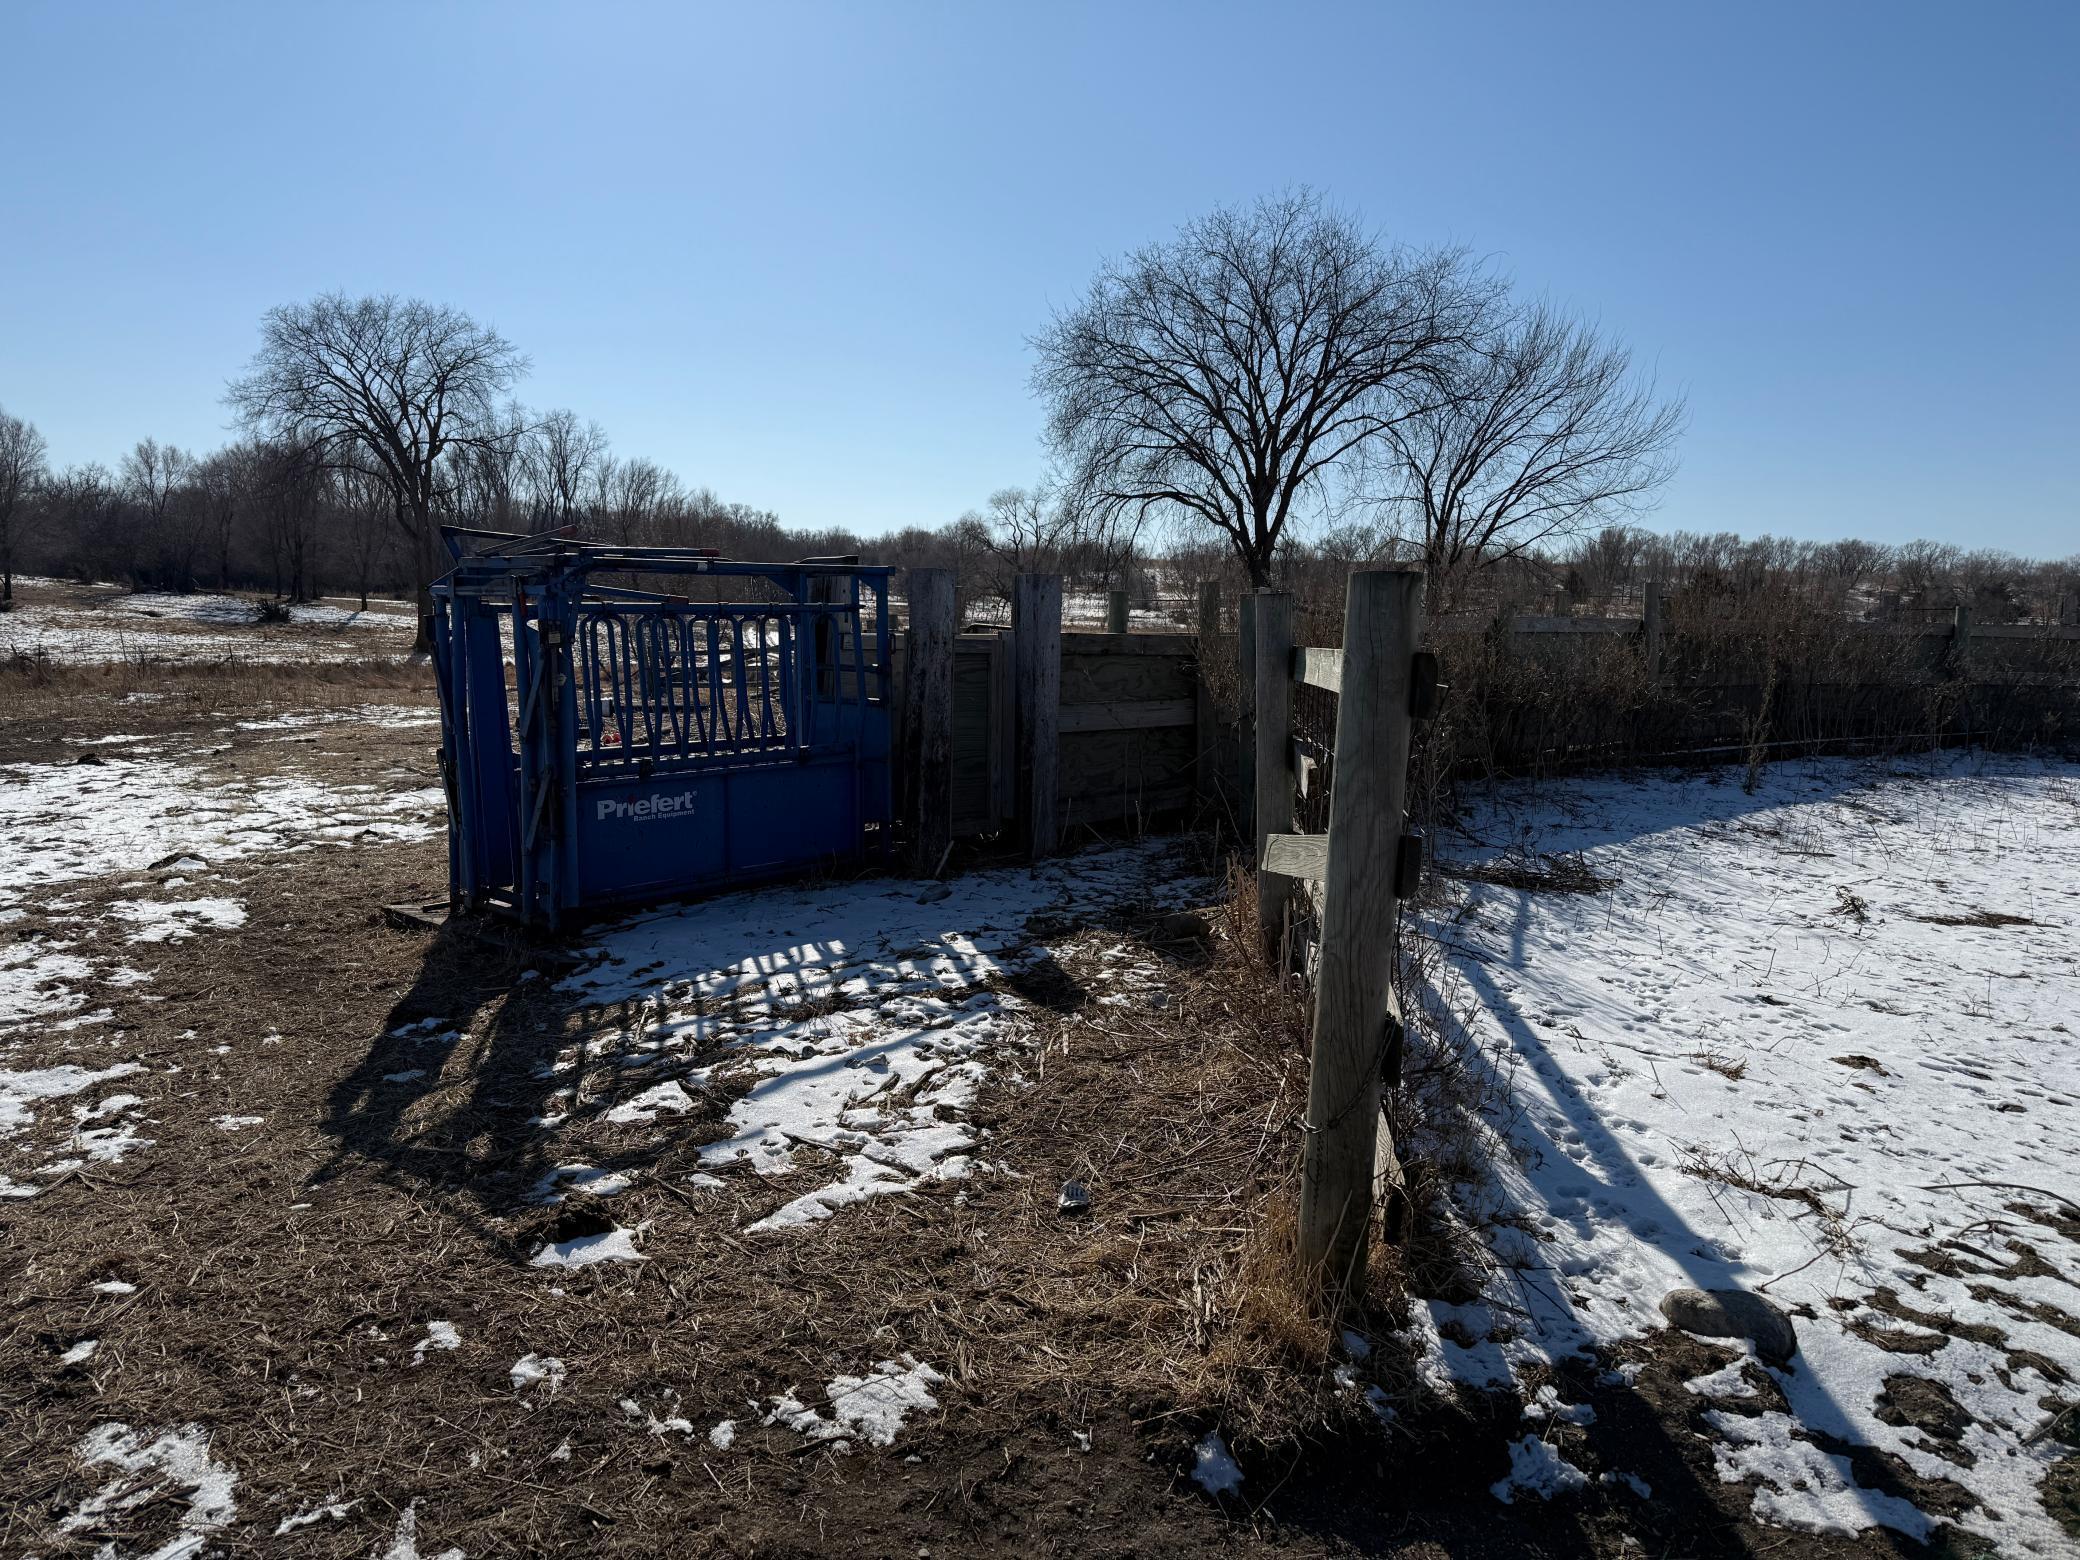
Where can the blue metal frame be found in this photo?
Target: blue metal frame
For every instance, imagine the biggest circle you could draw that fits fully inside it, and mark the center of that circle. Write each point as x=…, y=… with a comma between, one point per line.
x=650, y=745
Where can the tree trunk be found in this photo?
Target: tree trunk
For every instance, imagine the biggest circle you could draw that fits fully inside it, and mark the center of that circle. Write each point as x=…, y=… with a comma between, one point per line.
x=422, y=575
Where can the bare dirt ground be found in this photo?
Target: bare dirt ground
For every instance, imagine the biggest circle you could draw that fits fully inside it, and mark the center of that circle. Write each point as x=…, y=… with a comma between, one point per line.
x=306, y=1241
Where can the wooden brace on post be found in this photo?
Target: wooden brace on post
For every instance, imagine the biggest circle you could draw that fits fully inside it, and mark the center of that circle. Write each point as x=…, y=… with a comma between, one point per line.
x=1349, y=1160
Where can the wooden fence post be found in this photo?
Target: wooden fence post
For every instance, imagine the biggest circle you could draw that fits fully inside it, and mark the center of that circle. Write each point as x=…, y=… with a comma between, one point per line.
x=1116, y=612
x=927, y=750
x=1272, y=758
x=1354, y=978
x=1245, y=709
x=1036, y=628
x=1208, y=734
x=1652, y=626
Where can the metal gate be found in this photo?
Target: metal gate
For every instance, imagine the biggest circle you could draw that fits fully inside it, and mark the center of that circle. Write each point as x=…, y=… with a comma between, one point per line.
x=650, y=744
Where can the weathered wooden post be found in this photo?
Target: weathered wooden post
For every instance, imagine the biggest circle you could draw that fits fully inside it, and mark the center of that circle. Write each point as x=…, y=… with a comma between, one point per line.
x=1116, y=612
x=1205, y=719
x=1246, y=713
x=927, y=747
x=1272, y=757
x=1036, y=629
x=1651, y=629
x=1354, y=978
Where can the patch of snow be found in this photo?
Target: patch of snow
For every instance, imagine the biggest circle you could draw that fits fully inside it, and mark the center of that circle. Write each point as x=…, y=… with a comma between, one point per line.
x=1800, y=1485
x=335, y=1511
x=439, y=1335
x=532, y=1368
x=20, y=1090
x=1537, y=1469
x=151, y=1464
x=872, y=1407
x=724, y=1435
x=1803, y=1035
x=80, y=1352
x=236, y=1123
x=1213, y=1466
x=564, y=1179
x=615, y=1245
x=176, y=920
x=874, y=1089
x=404, y=1540
x=114, y=1286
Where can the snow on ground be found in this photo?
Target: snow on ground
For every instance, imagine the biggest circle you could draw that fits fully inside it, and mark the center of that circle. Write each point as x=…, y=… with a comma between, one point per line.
x=67, y=823
x=78, y=626
x=903, y=985
x=1820, y=1039
x=172, y=1466
x=872, y=1407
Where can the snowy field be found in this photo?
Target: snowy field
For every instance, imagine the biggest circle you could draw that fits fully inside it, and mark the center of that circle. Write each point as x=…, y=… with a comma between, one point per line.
x=95, y=624
x=1816, y=1042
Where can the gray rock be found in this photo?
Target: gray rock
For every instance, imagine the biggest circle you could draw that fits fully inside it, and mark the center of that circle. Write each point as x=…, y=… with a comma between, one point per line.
x=1733, y=1313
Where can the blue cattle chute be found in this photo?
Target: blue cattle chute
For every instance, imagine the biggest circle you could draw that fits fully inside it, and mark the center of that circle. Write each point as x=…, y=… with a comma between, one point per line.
x=649, y=745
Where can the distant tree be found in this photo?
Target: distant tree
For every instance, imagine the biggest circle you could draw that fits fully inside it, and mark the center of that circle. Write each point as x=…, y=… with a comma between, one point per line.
x=1047, y=529
x=1544, y=432
x=1229, y=372
x=292, y=482
x=155, y=479
x=395, y=385
x=22, y=452
x=367, y=535
x=223, y=485
x=561, y=455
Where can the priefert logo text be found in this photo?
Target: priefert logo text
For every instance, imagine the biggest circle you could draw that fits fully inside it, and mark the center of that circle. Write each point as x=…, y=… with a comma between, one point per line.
x=648, y=808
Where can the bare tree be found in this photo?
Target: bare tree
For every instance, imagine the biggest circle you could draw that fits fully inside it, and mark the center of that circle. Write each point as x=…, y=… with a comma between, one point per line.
x=561, y=456
x=367, y=535
x=1227, y=373
x=393, y=384
x=1047, y=529
x=292, y=479
x=224, y=483
x=22, y=452
x=1546, y=432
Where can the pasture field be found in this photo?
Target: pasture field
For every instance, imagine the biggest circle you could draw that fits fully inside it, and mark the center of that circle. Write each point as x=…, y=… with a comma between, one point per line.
x=737, y=1227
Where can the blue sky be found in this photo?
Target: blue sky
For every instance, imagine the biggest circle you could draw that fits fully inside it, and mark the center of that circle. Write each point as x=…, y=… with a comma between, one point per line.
x=795, y=252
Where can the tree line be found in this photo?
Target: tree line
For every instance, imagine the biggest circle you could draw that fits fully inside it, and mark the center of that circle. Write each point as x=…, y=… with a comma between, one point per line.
x=1273, y=391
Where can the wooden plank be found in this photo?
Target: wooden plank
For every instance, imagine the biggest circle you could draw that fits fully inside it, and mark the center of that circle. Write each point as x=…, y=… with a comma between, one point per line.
x=1343, y=1158
x=1575, y=625
x=1087, y=642
x=1318, y=668
x=1302, y=856
x=2025, y=631
x=1124, y=679
x=976, y=741
x=1036, y=617
x=1129, y=716
x=1003, y=726
x=1274, y=789
x=928, y=720
x=1207, y=778
x=1246, y=721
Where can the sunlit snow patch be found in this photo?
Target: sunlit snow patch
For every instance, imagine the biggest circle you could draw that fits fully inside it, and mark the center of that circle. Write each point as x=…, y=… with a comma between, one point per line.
x=151, y=1466
x=871, y=1407
x=615, y=1245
